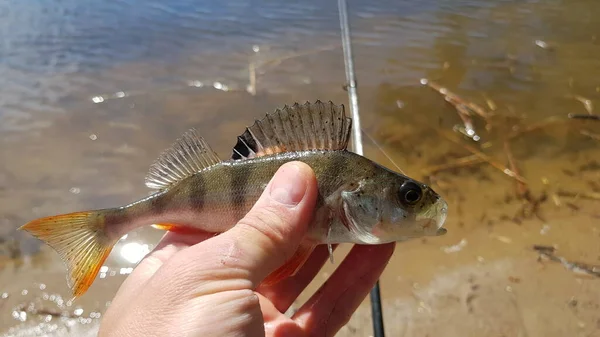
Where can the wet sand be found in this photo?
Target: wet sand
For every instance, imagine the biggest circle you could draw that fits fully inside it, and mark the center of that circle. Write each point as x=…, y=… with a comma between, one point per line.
x=482, y=278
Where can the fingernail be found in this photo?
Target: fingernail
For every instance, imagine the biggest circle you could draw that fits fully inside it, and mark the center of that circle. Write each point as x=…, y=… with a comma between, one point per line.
x=288, y=187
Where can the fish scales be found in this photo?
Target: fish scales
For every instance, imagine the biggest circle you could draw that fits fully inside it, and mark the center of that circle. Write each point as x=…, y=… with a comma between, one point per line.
x=214, y=199
x=359, y=201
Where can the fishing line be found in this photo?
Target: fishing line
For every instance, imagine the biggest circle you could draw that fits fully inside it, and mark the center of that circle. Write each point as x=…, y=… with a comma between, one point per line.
x=382, y=151
x=376, y=311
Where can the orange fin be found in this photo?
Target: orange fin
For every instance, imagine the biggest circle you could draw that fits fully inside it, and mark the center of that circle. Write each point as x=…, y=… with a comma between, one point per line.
x=291, y=267
x=166, y=226
x=80, y=240
x=177, y=228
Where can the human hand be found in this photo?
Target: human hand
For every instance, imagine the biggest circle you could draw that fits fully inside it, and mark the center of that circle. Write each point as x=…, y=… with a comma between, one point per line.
x=205, y=285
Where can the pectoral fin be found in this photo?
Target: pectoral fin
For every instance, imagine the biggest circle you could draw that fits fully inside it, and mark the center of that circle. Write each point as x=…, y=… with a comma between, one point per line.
x=291, y=267
x=358, y=213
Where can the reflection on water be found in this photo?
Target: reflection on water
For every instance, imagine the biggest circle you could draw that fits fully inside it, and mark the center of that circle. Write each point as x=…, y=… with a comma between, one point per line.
x=93, y=92
x=134, y=252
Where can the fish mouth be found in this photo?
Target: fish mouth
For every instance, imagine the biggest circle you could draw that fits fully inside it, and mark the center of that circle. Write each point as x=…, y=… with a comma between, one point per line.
x=434, y=218
x=442, y=207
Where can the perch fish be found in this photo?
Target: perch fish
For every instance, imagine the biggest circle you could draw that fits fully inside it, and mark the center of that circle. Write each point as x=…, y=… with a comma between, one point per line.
x=359, y=201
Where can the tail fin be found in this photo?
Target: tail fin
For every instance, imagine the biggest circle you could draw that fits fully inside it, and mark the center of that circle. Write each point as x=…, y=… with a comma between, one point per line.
x=80, y=239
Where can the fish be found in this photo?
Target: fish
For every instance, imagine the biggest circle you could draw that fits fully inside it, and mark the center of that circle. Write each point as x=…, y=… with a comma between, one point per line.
x=359, y=201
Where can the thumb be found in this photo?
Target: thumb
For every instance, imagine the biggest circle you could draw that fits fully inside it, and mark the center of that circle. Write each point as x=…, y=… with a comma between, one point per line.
x=273, y=229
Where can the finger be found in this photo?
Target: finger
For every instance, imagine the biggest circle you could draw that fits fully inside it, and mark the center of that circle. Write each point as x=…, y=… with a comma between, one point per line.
x=259, y=243
x=277, y=323
x=271, y=232
x=284, y=293
x=169, y=245
x=331, y=307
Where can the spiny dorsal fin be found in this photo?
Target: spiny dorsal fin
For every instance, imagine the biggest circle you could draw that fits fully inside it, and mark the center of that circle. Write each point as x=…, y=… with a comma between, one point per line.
x=187, y=156
x=310, y=126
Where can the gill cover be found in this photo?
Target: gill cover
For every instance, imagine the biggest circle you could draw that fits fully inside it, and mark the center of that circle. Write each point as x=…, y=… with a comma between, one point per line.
x=361, y=213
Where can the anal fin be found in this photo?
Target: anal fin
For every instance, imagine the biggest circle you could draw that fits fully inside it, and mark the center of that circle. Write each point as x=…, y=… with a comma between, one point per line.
x=177, y=228
x=291, y=267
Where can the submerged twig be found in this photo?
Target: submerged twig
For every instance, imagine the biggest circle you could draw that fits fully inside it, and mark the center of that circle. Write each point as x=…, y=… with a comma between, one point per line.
x=587, y=104
x=591, y=135
x=456, y=100
x=490, y=103
x=544, y=45
x=582, y=194
x=481, y=155
x=553, y=194
x=550, y=121
x=522, y=190
x=590, y=117
x=530, y=207
x=474, y=151
x=459, y=162
x=461, y=106
x=465, y=116
x=577, y=267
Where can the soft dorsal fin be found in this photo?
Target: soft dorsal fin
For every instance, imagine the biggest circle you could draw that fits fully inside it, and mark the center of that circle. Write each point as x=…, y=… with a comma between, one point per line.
x=187, y=156
x=310, y=126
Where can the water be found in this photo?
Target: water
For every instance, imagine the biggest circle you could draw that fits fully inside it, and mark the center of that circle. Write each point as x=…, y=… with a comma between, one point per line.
x=157, y=69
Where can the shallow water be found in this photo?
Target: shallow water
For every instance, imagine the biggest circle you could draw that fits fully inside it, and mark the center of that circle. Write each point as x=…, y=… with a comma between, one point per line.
x=92, y=93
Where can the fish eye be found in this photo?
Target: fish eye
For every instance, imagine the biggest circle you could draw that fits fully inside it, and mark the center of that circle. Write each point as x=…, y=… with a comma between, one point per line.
x=410, y=193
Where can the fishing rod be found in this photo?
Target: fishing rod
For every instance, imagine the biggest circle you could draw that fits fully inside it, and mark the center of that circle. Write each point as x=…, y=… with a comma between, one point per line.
x=351, y=85
x=350, y=78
